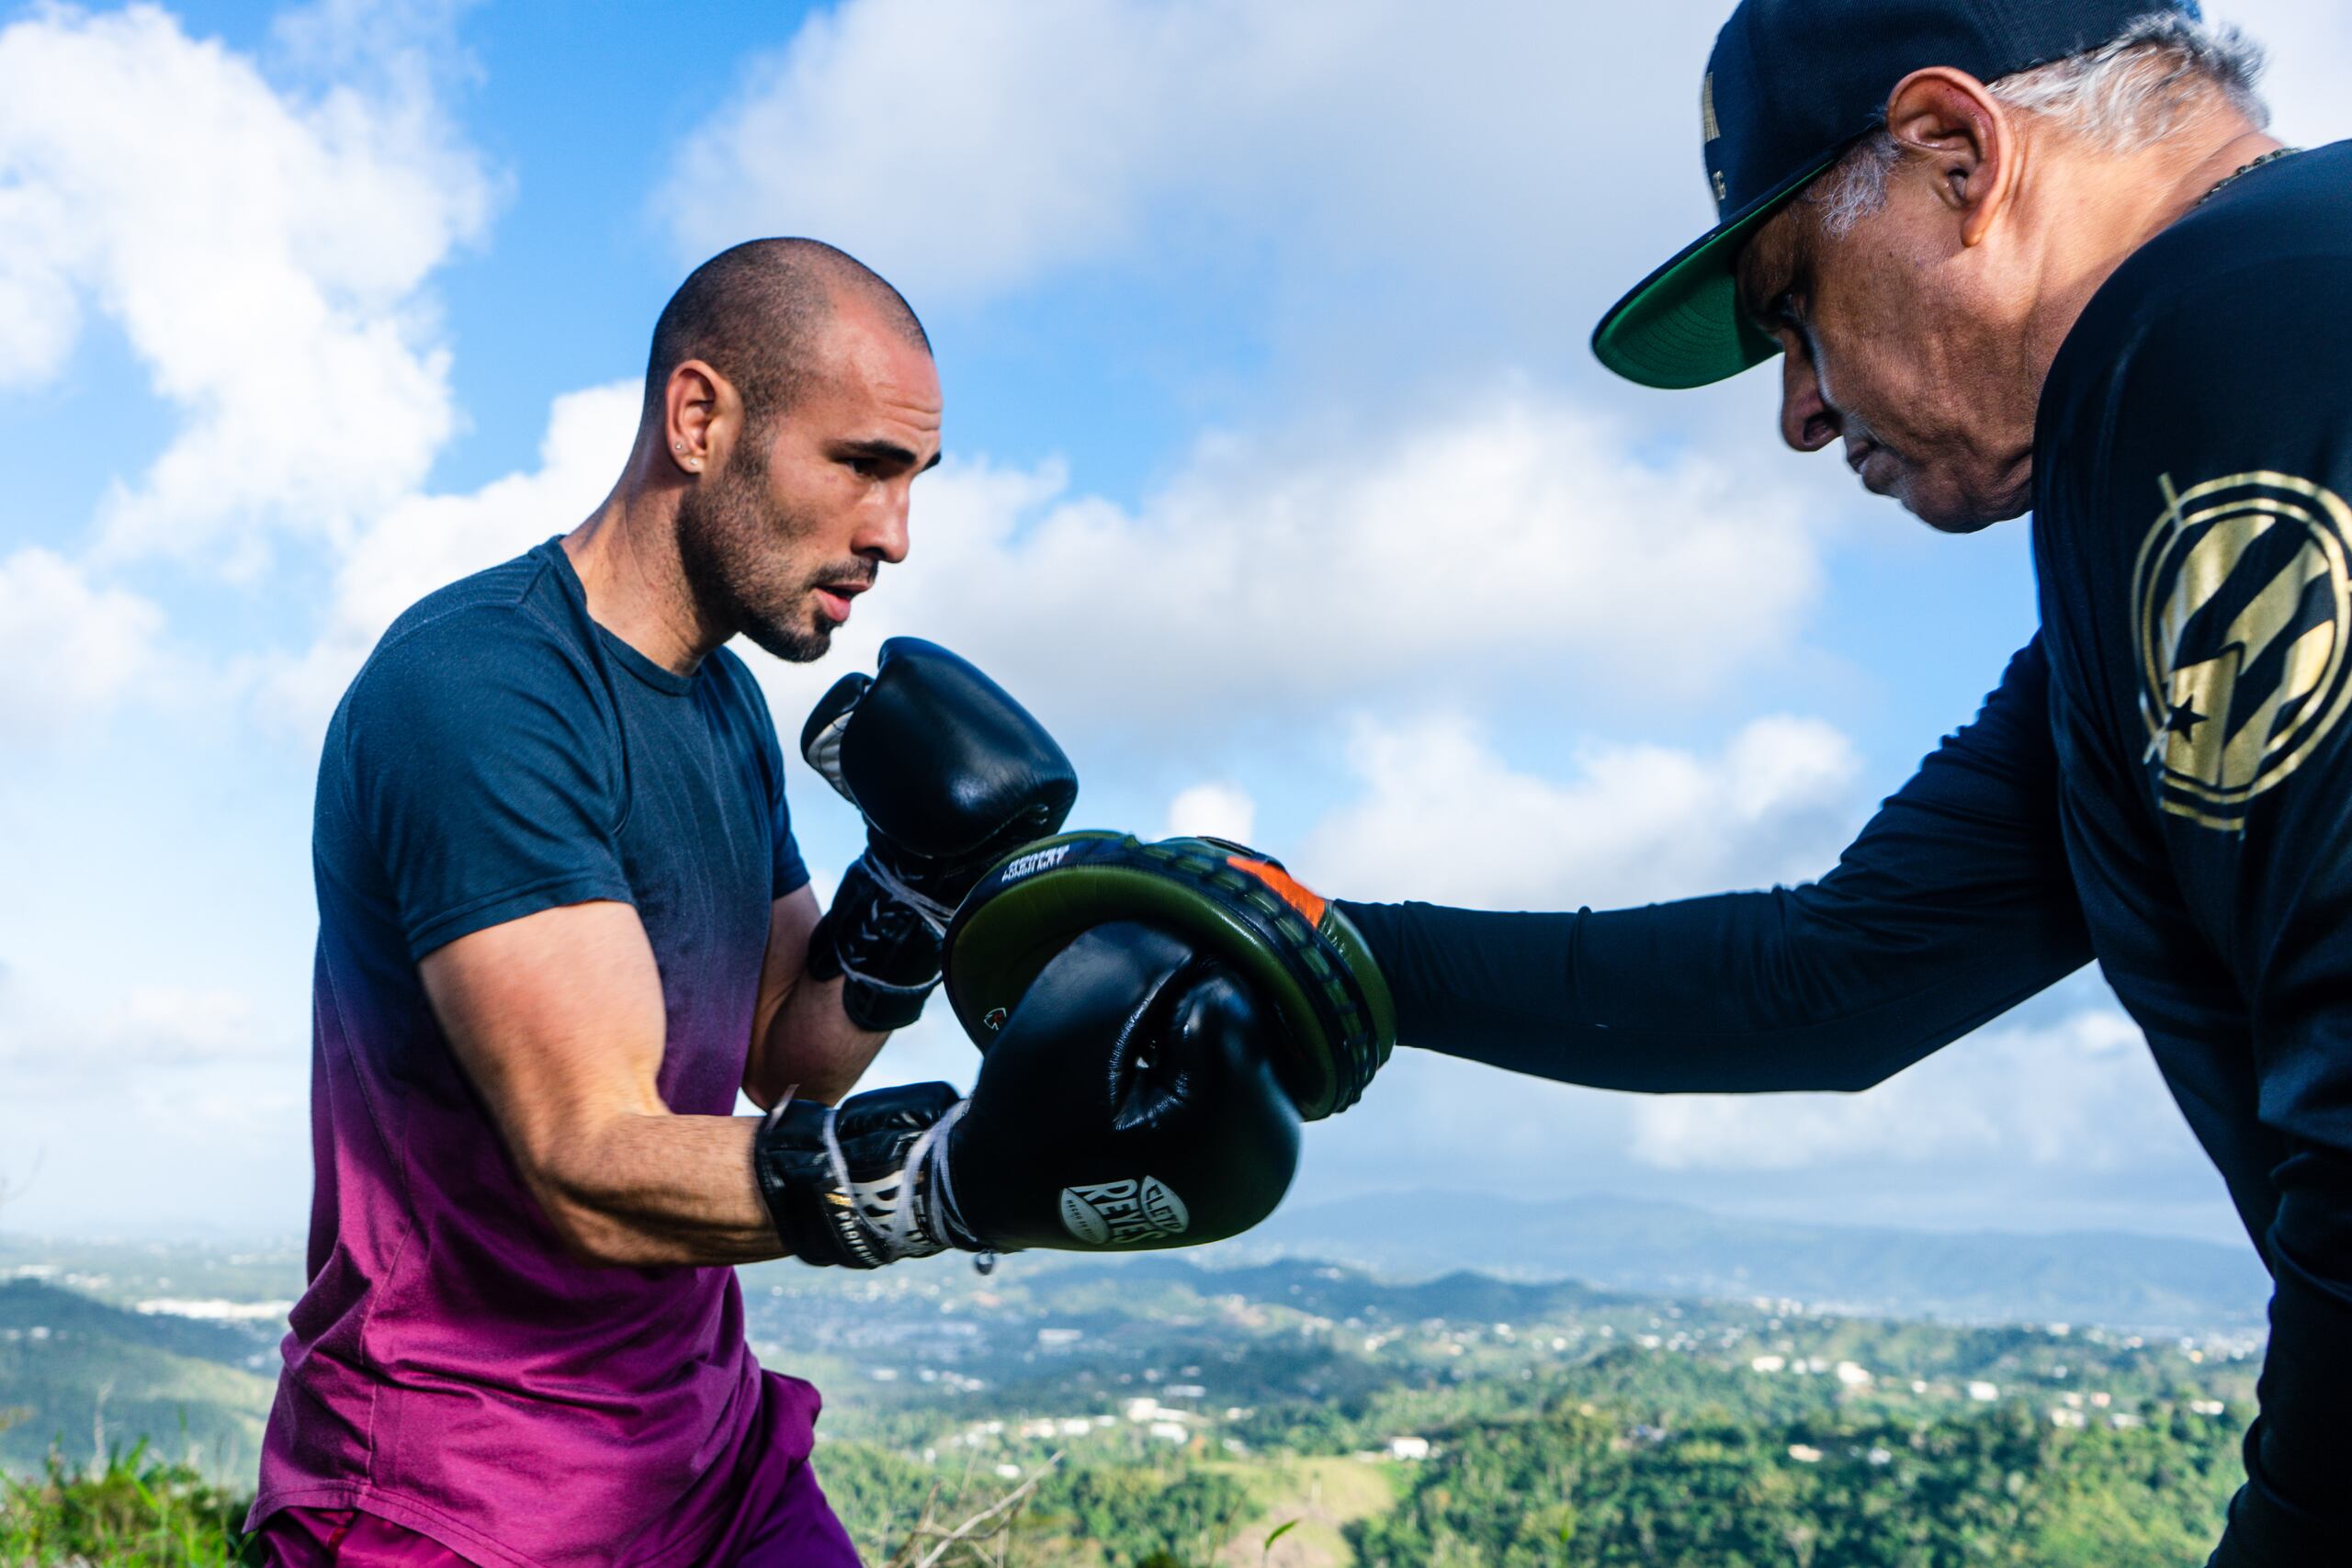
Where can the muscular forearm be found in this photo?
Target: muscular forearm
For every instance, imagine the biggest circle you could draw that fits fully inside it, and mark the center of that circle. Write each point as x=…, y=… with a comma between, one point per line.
x=645, y=1190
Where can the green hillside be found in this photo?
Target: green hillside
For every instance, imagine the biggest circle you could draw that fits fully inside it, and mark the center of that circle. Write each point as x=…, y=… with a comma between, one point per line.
x=80, y=1376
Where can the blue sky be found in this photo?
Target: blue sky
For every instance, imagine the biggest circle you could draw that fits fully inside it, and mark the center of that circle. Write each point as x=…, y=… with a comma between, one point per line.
x=1279, y=481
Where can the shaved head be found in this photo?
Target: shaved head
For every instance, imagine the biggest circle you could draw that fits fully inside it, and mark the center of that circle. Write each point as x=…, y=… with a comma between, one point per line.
x=756, y=314
x=790, y=400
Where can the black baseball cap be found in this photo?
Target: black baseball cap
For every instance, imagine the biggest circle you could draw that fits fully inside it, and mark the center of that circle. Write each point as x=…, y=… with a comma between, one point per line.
x=1790, y=85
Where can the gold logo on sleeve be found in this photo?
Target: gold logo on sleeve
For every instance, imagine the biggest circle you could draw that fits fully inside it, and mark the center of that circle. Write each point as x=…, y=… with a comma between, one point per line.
x=2244, y=608
x=1712, y=128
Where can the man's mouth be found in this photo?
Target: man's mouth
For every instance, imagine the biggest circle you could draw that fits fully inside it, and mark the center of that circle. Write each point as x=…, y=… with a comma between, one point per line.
x=1876, y=467
x=833, y=598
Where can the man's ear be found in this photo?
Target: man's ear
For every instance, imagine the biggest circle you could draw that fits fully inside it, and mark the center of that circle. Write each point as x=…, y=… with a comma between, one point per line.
x=1952, y=121
x=703, y=411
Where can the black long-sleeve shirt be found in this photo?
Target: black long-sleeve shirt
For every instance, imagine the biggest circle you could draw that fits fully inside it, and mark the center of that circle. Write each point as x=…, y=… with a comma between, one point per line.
x=2161, y=781
x=1954, y=905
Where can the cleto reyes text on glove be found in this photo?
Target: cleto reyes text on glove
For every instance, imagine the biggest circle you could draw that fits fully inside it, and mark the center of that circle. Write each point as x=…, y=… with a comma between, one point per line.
x=1129, y=1103
x=950, y=773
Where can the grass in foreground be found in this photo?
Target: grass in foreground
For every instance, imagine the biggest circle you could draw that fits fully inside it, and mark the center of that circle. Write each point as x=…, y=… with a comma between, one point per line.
x=136, y=1512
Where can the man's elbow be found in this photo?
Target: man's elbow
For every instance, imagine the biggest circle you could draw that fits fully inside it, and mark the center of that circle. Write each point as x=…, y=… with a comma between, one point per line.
x=827, y=1083
x=1852, y=1072
x=586, y=1221
x=1862, y=1076
x=597, y=1239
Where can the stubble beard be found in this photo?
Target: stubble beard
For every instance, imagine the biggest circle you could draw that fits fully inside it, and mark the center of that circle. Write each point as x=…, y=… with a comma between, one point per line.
x=738, y=552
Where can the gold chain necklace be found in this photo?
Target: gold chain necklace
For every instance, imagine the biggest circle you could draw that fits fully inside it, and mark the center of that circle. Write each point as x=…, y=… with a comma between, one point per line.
x=2244, y=169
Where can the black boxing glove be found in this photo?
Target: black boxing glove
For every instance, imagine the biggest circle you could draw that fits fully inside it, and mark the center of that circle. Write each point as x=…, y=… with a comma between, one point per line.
x=1128, y=1104
x=837, y=1181
x=950, y=773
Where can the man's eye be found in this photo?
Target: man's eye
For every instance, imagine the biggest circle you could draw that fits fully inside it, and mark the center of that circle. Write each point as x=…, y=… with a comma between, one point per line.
x=1775, y=312
x=865, y=467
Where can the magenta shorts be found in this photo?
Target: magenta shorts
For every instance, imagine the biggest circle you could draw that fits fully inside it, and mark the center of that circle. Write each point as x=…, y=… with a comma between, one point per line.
x=316, y=1538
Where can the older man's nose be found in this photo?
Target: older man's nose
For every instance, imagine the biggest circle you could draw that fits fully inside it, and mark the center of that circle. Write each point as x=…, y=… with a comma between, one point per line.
x=1807, y=422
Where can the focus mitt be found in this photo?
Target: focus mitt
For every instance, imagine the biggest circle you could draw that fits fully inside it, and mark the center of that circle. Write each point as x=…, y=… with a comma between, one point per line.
x=1293, y=948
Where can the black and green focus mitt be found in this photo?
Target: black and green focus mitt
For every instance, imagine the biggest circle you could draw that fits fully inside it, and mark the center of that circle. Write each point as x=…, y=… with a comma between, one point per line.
x=1293, y=948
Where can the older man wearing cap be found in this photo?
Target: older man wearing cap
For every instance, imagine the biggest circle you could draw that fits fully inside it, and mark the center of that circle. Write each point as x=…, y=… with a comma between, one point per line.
x=2033, y=254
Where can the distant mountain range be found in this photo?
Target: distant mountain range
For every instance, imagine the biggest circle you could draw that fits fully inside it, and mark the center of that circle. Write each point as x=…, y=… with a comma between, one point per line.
x=2120, y=1279
x=2151, y=1283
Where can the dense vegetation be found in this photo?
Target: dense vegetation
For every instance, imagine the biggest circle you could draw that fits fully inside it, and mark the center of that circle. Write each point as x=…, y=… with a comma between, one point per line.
x=1580, y=1485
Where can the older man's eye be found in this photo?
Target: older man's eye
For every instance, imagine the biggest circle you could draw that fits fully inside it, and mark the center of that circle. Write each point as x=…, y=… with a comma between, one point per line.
x=1771, y=312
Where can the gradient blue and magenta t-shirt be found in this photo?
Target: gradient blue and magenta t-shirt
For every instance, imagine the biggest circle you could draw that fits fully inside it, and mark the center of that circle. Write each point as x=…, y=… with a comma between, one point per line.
x=450, y=1367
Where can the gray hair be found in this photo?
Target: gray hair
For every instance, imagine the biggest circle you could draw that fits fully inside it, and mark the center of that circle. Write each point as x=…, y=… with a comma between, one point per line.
x=2134, y=90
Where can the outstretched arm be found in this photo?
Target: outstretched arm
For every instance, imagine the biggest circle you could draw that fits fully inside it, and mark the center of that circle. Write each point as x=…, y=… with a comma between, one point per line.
x=1954, y=905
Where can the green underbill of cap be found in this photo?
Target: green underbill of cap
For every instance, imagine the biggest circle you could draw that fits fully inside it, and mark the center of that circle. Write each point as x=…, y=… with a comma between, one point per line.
x=1682, y=326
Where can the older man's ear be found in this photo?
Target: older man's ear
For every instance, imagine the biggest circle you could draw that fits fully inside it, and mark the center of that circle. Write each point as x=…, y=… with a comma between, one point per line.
x=1952, y=122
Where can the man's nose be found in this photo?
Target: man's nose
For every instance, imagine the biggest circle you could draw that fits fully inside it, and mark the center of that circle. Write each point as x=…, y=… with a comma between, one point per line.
x=882, y=529
x=1807, y=422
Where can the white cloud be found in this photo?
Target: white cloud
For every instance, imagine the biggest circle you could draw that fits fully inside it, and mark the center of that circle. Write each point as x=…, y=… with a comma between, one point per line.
x=1442, y=816
x=263, y=253
x=424, y=541
x=1494, y=167
x=151, y=1027
x=71, y=648
x=1510, y=536
x=966, y=148
x=1036, y=176
x=2082, y=1094
x=1214, y=811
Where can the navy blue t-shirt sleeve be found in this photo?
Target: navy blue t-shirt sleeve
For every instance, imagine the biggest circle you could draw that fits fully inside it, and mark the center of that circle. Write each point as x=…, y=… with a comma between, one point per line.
x=1954, y=905
x=791, y=872
x=479, y=760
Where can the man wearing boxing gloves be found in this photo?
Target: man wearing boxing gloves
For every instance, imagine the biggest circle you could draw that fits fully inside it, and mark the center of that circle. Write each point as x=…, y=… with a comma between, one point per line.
x=562, y=920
